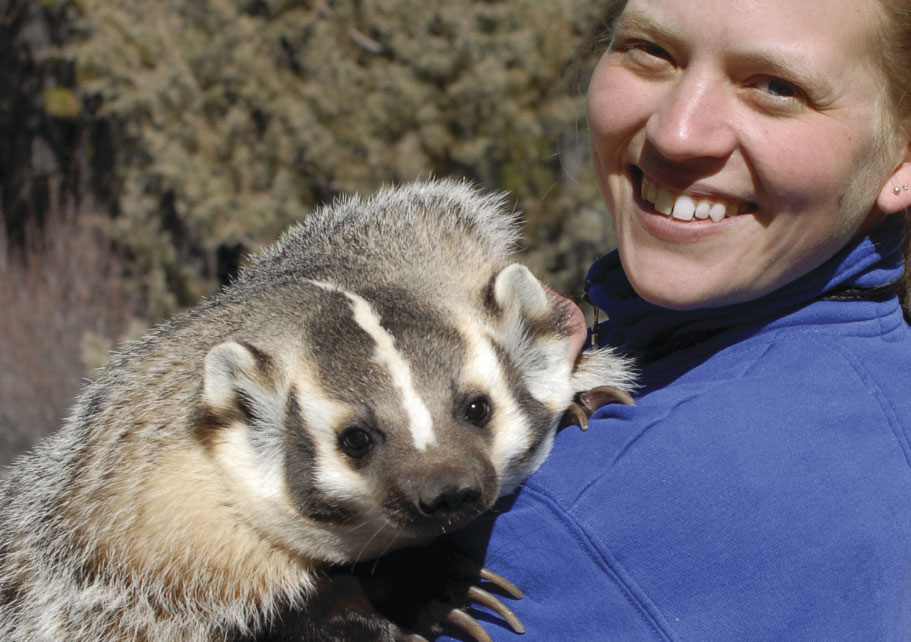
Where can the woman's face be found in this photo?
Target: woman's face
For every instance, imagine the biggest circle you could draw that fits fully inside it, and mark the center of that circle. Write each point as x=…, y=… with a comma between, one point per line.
x=740, y=143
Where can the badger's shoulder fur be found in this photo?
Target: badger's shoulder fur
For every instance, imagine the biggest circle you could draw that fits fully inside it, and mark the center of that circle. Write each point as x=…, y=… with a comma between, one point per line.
x=377, y=377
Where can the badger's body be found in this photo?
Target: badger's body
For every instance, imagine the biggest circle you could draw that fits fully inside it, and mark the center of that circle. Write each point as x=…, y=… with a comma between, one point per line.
x=376, y=378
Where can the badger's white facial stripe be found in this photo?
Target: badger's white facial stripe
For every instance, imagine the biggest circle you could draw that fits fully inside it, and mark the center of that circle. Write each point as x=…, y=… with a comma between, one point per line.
x=420, y=421
x=511, y=437
x=419, y=418
x=262, y=495
x=323, y=415
x=256, y=485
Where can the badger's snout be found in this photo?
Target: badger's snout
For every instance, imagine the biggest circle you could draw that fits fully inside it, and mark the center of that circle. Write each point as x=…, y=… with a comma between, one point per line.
x=442, y=496
x=448, y=497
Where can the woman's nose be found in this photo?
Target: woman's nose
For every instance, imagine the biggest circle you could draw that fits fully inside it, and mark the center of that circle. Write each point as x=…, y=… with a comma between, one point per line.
x=692, y=120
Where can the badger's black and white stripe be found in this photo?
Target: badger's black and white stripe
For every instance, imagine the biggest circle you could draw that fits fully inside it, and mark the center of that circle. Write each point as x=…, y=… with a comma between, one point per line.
x=376, y=378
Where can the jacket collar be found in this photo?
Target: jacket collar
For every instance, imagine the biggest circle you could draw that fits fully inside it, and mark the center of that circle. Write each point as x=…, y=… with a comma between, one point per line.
x=636, y=326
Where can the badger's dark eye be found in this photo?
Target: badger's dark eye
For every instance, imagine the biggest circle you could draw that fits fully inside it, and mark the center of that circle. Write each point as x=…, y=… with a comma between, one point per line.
x=355, y=441
x=477, y=410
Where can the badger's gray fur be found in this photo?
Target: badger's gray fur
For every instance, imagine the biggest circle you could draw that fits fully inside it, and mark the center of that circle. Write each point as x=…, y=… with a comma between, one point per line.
x=377, y=377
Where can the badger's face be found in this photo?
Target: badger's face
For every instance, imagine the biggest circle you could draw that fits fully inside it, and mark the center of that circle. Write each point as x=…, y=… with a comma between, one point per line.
x=390, y=421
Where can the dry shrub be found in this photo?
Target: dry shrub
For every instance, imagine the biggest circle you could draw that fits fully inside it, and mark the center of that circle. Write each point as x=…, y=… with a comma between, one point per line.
x=62, y=300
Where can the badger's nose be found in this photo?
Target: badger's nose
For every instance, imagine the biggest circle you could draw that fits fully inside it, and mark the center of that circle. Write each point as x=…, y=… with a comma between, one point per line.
x=448, y=500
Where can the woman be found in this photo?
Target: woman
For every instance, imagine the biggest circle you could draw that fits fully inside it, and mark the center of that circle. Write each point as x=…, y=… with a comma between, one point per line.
x=755, y=159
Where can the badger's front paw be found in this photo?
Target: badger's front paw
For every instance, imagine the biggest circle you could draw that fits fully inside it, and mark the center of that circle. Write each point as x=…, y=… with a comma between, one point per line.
x=464, y=587
x=340, y=611
x=428, y=590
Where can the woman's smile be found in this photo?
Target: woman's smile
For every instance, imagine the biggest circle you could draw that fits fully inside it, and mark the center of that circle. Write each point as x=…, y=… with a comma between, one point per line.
x=692, y=205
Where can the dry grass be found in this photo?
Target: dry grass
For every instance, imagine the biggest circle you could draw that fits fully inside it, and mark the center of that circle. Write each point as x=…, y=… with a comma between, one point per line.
x=62, y=300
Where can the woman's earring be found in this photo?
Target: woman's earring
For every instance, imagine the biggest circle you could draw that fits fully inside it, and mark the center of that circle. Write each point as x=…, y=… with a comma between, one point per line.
x=897, y=190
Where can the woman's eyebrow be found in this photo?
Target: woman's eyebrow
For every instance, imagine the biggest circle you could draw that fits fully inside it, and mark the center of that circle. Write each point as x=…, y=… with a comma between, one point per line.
x=782, y=66
x=769, y=62
x=637, y=21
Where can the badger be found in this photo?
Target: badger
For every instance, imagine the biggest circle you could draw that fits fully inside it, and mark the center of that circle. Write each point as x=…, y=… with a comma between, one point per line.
x=376, y=378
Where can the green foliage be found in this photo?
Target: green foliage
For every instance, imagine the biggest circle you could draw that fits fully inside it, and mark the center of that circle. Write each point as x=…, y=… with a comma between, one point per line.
x=61, y=103
x=233, y=118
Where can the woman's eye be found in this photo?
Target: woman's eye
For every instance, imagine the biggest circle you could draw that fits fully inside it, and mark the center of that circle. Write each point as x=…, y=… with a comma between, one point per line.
x=477, y=410
x=779, y=89
x=653, y=50
x=355, y=441
x=646, y=54
x=778, y=97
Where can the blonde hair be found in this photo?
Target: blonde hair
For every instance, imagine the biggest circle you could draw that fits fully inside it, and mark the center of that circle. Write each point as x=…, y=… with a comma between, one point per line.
x=895, y=59
x=895, y=62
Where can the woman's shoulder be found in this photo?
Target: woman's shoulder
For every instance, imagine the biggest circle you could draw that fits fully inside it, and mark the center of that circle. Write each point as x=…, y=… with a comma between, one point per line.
x=792, y=370
x=812, y=401
x=851, y=378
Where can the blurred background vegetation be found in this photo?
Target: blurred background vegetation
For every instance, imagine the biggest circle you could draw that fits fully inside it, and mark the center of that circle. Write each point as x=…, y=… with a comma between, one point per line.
x=147, y=146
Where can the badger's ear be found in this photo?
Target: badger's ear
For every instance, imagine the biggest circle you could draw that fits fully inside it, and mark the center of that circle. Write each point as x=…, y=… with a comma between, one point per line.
x=225, y=364
x=515, y=289
x=238, y=375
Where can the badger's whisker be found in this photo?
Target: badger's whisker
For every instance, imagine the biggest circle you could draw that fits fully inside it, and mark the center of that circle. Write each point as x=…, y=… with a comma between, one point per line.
x=385, y=550
x=368, y=542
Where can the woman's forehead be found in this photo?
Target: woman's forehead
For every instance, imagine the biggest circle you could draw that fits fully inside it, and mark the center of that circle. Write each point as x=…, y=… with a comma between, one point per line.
x=813, y=29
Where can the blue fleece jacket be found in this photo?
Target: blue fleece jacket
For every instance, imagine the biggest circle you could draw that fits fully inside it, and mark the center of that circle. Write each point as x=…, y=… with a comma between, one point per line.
x=760, y=489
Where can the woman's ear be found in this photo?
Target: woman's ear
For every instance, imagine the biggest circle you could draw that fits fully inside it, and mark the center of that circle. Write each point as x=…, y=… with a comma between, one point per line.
x=895, y=195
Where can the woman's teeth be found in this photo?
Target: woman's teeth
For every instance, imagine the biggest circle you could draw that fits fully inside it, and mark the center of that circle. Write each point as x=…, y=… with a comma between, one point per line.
x=683, y=207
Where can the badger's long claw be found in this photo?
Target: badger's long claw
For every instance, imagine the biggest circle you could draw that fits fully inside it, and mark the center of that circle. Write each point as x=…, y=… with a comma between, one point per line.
x=471, y=570
x=586, y=403
x=591, y=400
x=500, y=581
x=575, y=415
x=479, y=595
x=459, y=619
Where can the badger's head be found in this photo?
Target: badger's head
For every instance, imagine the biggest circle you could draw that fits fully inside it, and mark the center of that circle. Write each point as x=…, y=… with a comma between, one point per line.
x=375, y=420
